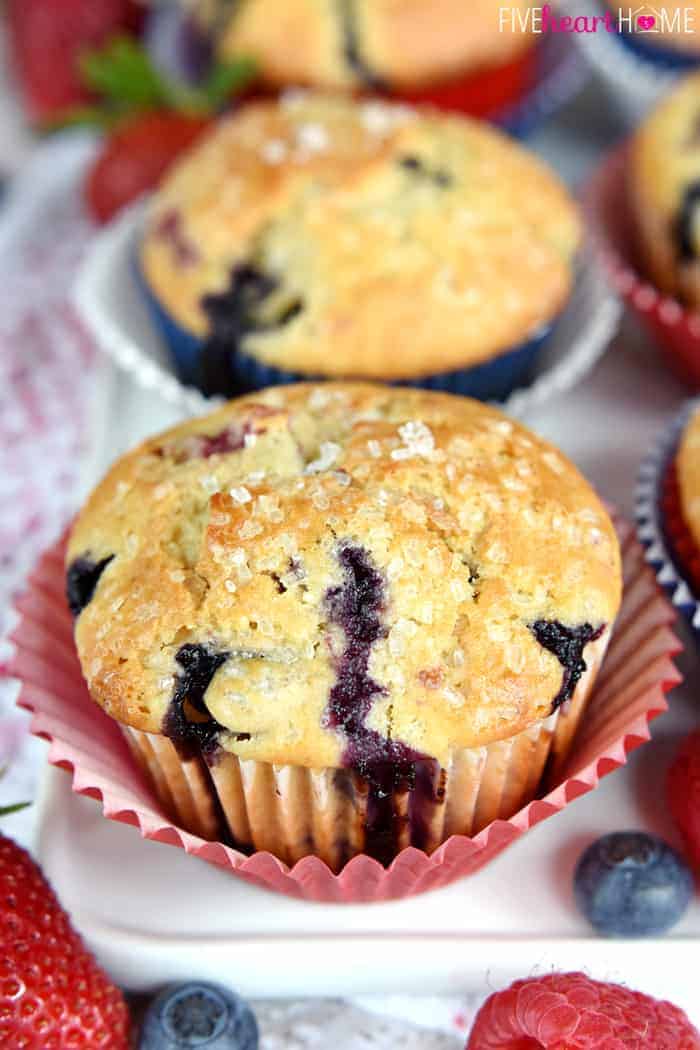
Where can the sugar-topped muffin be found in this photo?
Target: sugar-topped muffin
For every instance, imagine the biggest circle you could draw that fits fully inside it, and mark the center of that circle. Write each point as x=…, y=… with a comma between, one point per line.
x=361, y=43
x=345, y=597
x=319, y=236
x=664, y=177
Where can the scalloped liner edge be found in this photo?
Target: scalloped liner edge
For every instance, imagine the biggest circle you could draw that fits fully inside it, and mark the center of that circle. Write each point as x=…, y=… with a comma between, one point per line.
x=310, y=877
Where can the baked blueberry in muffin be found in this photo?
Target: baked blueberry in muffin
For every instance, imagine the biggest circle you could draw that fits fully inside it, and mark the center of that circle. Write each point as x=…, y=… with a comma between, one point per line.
x=321, y=237
x=379, y=44
x=363, y=626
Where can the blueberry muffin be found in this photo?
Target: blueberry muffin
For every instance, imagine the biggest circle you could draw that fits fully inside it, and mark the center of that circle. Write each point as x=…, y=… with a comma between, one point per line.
x=680, y=501
x=664, y=181
x=344, y=618
x=688, y=470
x=321, y=237
x=365, y=43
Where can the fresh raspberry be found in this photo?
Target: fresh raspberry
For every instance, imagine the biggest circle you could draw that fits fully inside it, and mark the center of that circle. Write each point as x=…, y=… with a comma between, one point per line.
x=569, y=1011
x=53, y=995
x=684, y=795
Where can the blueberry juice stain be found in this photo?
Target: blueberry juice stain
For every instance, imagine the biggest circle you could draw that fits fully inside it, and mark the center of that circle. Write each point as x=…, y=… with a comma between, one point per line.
x=387, y=766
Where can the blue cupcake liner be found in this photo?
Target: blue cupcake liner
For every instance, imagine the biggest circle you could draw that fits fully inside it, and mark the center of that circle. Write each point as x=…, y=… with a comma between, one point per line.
x=493, y=380
x=668, y=59
x=651, y=529
x=560, y=73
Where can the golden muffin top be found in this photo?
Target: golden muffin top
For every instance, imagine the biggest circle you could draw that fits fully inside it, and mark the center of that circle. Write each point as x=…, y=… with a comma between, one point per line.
x=353, y=43
x=314, y=574
x=360, y=240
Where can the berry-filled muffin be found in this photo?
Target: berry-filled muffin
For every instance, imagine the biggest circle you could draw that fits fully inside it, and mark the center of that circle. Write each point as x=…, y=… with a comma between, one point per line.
x=321, y=237
x=681, y=502
x=390, y=45
x=664, y=179
x=344, y=618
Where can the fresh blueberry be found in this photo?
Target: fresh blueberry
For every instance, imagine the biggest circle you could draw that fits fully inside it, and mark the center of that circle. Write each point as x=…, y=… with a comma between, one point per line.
x=630, y=884
x=198, y=1014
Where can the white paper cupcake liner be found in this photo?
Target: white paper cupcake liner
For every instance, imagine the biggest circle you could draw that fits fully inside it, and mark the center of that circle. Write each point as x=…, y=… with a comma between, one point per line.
x=629, y=692
x=295, y=812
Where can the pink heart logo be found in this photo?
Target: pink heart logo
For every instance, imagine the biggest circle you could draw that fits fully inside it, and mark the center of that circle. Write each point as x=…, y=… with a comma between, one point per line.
x=646, y=21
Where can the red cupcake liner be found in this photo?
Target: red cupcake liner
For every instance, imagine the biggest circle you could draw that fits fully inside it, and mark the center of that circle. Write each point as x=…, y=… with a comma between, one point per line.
x=673, y=327
x=480, y=94
x=517, y=95
x=629, y=692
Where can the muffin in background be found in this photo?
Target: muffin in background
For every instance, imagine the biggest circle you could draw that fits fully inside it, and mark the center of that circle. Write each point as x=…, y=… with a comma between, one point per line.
x=393, y=45
x=681, y=502
x=317, y=236
x=345, y=618
x=664, y=183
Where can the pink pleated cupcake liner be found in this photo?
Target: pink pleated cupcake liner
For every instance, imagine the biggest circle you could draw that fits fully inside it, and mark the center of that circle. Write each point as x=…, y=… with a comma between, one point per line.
x=673, y=327
x=629, y=692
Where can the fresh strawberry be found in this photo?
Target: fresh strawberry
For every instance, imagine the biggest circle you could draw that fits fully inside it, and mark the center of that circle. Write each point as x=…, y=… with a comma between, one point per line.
x=569, y=1011
x=135, y=158
x=149, y=118
x=53, y=995
x=48, y=38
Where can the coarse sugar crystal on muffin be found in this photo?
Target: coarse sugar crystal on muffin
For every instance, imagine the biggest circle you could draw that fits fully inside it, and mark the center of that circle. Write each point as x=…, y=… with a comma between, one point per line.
x=344, y=618
x=326, y=237
x=664, y=182
x=366, y=43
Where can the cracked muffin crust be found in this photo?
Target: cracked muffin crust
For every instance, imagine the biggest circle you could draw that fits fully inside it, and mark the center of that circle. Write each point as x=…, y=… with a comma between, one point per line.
x=343, y=575
x=664, y=180
x=323, y=236
x=364, y=43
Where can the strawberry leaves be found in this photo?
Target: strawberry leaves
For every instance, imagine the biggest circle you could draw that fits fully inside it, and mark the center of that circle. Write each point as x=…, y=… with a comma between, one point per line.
x=6, y=810
x=124, y=76
x=226, y=79
x=127, y=83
